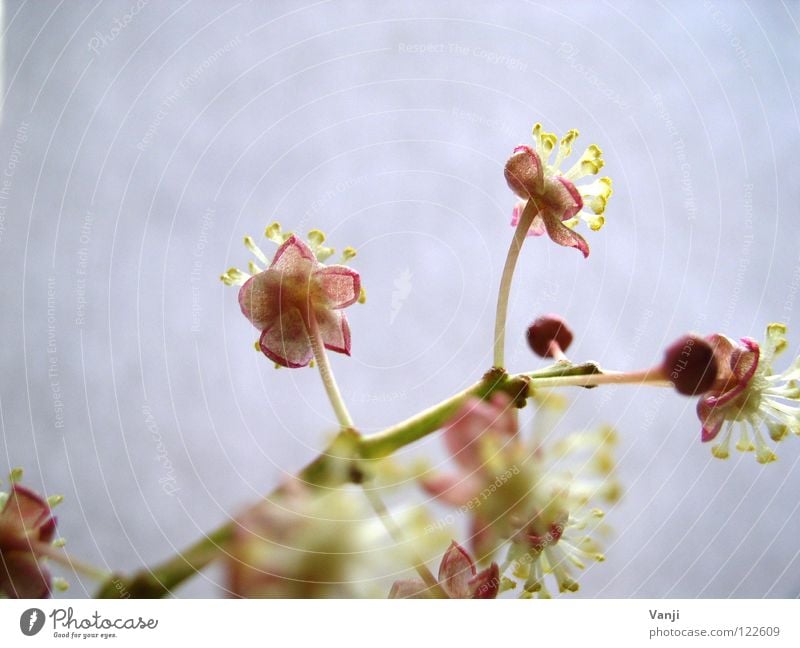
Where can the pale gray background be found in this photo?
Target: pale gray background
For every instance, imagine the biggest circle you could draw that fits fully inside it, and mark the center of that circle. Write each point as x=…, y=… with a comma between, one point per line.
x=316, y=114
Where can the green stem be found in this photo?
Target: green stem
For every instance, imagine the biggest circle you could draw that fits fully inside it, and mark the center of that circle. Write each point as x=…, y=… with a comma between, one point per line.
x=339, y=463
x=384, y=443
x=525, y=220
x=61, y=557
x=654, y=377
x=325, y=372
x=160, y=581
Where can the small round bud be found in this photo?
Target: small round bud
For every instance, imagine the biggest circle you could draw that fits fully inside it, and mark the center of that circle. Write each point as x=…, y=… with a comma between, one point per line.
x=690, y=364
x=549, y=336
x=523, y=172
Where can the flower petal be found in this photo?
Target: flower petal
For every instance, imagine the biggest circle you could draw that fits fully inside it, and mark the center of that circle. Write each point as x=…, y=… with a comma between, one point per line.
x=259, y=298
x=293, y=253
x=22, y=576
x=571, y=198
x=26, y=511
x=736, y=366
x=561, y=234
x=340, y=284
x=486, y=584
x=456, y=571
x=744, y=359
x=476, y=418
x=287, y=342
x=409, y=589
x=711, y=417
x=450, y=488
x=523, y=172
x=335, y=330
x=537, y=226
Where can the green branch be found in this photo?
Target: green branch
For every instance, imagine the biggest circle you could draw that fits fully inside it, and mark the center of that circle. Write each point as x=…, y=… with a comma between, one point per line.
x=338, y=465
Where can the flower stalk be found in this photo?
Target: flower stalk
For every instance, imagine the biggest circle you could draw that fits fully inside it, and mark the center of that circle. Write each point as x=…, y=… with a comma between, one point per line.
x=646, y=377
x=520, y=234
x=325, y=372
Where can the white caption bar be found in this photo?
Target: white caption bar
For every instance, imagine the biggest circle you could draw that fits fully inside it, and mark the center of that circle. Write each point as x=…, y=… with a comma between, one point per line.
x=561, y=622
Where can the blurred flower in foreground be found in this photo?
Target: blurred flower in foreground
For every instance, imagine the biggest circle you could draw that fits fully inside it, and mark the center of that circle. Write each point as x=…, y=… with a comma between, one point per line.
x=747, y=395
x=296, y=294
x=458, y=578
x=559, y=203
x=521, y=492
x=27, y=527
x=308, y=543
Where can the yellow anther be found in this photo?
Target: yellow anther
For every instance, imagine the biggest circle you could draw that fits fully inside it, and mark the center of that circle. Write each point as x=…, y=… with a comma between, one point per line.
x=273, y=233
x=316, y=238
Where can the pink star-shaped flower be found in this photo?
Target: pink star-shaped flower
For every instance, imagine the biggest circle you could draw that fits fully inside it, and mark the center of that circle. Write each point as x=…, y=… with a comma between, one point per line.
x=26, y=524
x=535, y=175
x=458, y=578
x=749, y=396
x=555, y=197
x=283, y=300
x=737, y=365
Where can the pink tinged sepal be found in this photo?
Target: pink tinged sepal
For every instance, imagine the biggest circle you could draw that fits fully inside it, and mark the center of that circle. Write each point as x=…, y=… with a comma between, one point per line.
x=292, y=254
x=27, y=511
x=486, y=584
x=335, y=331
x=450, y=488
x=259, y=298
x=456, y=571
x=737, y=364
x=26, y=517
x=712, y=419
x=563, y=235
x=463, y=435
x=537, y=226
x=523, y=172
x=246, y=299
x=26, y=521
x=571, y=198
x=23, y=576
x=340, y=284
x=457, y=578
x=286, y=342
x=561, y=202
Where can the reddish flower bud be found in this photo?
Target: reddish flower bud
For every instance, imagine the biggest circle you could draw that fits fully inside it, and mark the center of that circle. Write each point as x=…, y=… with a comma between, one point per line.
x=549, y=336
x=26, y=526
x=690, y=364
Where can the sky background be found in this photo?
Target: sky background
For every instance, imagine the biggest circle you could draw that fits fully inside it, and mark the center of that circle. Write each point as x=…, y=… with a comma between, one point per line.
x=142, y=140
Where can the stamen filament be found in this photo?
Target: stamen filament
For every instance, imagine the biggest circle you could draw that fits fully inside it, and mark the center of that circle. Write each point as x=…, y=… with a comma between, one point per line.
x=63, y=558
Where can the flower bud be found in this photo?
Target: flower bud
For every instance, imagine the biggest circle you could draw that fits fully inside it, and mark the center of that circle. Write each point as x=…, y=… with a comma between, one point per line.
x=549, y=336
x=690, y=364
